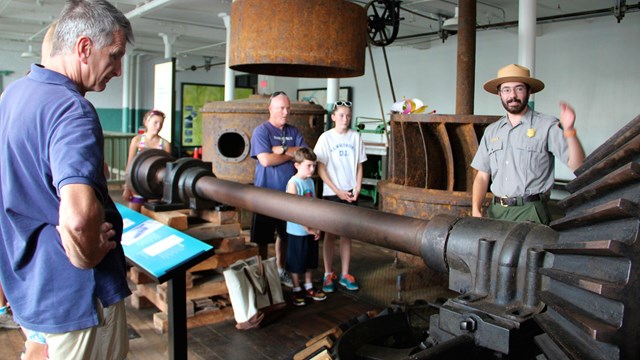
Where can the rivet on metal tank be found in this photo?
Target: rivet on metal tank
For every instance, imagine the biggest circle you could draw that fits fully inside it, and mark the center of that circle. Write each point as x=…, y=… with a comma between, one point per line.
x=314, y=39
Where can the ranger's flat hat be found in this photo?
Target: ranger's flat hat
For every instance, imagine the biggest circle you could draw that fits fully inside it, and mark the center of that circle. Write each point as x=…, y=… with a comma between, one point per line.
x=514, y=73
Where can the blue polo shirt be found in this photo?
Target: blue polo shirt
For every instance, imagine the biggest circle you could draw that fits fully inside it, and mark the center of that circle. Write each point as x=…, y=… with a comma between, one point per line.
x=264, y=138
x=50, y=137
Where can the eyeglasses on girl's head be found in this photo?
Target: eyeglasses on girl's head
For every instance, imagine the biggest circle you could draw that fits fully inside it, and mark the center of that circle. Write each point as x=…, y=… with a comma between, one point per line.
x=342, y=103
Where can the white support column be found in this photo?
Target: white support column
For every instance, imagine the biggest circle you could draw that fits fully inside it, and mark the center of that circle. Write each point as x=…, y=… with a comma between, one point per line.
x=229, y=74
x=126, y=92
x=333, y=92
x=168, y=39
x=527, y=37
x=138, y=86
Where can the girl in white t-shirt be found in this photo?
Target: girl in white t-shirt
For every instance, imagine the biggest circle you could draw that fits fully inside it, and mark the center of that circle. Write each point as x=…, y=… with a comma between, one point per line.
x=340, y=153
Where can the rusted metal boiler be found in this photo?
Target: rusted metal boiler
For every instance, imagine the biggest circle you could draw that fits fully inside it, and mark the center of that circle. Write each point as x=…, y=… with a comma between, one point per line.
x=228, y=125
x=429, y=165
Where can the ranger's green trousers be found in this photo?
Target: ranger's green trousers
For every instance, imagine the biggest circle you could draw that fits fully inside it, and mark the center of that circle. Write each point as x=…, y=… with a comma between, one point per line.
x=535, y=211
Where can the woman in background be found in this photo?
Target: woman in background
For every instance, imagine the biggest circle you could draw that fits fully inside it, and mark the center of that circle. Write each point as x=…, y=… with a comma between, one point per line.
x=150, y=139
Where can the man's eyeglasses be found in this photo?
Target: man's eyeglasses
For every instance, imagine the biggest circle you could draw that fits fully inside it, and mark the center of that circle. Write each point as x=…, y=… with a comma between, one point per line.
x=520, y=89
x=342, y=103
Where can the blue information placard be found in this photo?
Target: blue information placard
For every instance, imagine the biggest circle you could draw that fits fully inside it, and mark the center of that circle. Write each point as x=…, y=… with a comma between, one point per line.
x=157, y=248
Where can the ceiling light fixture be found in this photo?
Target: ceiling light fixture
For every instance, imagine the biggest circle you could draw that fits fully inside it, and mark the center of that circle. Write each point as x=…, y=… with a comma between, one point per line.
x=29, y=53
x=451, y=24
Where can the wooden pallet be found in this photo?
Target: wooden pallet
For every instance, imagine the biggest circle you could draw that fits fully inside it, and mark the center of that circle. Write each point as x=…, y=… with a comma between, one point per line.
x=207, y=294
x=179, y=219
x=320, y=346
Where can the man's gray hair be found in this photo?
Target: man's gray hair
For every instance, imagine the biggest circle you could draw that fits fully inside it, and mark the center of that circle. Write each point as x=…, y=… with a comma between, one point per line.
x=96, y=19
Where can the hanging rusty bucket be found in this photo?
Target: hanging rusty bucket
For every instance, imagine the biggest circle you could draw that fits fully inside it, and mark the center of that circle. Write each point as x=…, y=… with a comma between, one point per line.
x=314, y=39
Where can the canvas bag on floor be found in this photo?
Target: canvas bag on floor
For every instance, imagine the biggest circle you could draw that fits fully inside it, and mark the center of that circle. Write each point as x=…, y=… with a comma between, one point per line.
x=254, y=290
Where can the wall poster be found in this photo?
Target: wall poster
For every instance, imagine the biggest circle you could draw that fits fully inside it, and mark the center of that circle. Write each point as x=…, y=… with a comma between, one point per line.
x=194, y=96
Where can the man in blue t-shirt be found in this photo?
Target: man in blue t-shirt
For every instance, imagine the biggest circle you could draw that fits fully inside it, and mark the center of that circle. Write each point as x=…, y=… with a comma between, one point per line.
x=62, y=266
x=273, y=145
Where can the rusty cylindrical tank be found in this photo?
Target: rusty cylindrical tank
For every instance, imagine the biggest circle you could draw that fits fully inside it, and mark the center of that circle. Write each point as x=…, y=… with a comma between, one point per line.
x=430, y=157
x=315, y=39
x=228, y=126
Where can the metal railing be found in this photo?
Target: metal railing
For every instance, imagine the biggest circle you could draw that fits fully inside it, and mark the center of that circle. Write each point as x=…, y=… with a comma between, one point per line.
x=116, y=151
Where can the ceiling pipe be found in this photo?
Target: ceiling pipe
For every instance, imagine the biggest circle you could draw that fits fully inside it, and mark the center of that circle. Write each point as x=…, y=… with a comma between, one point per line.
x=4, y=4
x=504, y=13
x=43, y=30
x=454, y=3
x=542, y=20
x=137, y=12
x=564, y=17
x=201, y=48
x=141, y=10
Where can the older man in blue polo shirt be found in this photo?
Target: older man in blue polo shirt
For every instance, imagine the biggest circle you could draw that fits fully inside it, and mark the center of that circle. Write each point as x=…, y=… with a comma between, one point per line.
x=273, y=144
x=61, y=262
x=516, y=154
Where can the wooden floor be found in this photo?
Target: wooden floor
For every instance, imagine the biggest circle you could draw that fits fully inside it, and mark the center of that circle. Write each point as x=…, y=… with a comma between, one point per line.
x=376, y=273
x=223, y=341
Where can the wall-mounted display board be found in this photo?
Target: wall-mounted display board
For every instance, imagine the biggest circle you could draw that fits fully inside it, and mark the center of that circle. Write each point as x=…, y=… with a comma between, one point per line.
x=194, y=96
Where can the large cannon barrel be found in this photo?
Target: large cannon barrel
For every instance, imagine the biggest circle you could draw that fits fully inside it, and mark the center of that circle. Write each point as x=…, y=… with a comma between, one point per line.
x=148, y=177
x=388, y=230
x=444, y=243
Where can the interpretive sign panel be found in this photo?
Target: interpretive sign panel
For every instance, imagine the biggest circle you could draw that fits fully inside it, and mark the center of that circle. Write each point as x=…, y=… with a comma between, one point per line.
x=157, y=248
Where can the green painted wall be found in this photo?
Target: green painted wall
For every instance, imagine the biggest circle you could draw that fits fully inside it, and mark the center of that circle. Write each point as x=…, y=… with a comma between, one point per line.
x=111, y=119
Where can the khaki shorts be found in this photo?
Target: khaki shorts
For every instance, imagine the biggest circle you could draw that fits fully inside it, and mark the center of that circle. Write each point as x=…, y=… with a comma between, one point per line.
x=109, y=340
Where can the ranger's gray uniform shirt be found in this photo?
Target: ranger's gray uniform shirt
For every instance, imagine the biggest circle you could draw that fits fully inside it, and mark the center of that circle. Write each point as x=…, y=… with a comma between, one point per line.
x=520, y=159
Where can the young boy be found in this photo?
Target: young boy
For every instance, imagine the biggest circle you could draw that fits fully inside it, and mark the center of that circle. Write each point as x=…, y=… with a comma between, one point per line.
x=302, y=248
